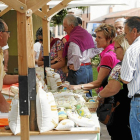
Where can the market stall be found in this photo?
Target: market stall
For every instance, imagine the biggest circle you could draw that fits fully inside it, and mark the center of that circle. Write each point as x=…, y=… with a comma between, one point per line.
x=27, y=78
x=76, y=133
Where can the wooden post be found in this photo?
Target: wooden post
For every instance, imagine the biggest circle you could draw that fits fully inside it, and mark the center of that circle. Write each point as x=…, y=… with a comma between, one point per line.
x=46, y=32
x=31, y=64
x=23, y=65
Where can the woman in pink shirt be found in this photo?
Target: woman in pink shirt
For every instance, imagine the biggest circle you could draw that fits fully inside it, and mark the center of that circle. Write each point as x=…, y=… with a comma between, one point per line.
x=104, y=38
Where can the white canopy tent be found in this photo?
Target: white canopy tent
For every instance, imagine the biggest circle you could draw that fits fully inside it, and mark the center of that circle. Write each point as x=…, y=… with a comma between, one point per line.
x=76, y=3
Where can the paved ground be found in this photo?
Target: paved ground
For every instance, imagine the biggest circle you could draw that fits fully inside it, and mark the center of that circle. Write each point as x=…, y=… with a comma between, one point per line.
x=104, y=133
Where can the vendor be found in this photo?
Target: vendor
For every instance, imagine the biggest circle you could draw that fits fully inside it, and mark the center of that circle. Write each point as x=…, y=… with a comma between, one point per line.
x=4, y=79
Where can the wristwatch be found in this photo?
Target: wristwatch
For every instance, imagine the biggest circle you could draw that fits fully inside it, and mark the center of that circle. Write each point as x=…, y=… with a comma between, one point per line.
x=99, y=95
x=82, y=87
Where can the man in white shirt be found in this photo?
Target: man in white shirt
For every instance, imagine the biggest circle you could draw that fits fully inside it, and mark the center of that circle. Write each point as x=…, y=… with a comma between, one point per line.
x=4, y=79
x=130, y=72
x=79, y=50
x=6, y=57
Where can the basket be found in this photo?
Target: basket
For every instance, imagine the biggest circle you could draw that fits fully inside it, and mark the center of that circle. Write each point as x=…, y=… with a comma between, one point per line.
x=92, y=106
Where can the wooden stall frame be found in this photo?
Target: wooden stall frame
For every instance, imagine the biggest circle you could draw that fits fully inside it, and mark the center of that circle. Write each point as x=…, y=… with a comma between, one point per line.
x=24, y=9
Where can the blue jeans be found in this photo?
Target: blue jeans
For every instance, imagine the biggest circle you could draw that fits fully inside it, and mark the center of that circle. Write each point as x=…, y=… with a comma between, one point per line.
x=81, y=76
x=135, y=118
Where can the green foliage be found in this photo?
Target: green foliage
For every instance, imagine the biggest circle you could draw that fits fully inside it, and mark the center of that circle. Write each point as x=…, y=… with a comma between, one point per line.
x=95, y=74
x=95, y=61
x=58, y=18
x=82, y=7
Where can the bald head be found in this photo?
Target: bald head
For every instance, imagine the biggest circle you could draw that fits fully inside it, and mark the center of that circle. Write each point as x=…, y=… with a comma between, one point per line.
x=4, y=35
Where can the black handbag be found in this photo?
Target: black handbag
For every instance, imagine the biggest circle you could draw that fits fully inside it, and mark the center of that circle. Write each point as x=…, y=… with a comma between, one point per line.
x=105, y=112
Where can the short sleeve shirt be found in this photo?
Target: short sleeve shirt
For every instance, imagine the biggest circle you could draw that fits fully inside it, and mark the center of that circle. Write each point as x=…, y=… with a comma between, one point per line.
x=2, y=73
x=5, y=47
x=54, y=49
x=115, y=74
x=108, y=58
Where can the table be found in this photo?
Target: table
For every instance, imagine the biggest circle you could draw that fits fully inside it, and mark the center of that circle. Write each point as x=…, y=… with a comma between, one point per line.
x=59, y=135
x=76, y=134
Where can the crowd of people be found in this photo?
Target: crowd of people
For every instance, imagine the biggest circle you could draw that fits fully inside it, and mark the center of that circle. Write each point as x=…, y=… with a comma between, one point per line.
x=118, y=70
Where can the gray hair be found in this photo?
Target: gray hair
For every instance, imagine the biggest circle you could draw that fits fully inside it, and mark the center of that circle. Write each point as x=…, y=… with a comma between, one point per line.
x=2, y=28
x=133, y=22
x=120, y=20
x=71, y=19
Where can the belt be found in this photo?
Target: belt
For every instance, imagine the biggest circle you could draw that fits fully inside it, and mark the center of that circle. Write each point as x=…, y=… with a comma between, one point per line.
x=85, y=64
x=136, y=95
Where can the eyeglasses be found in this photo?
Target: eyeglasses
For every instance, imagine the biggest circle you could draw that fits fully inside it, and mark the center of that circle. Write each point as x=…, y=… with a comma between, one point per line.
x=7, y=32
x=117, y=48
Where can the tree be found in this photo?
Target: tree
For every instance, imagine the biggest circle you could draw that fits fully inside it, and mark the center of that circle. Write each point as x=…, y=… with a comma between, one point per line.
x=58, y=18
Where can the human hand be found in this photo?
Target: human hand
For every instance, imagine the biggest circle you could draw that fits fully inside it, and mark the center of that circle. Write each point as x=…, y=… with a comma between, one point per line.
x=4, y=106
x=100, y=100
x=74, y=87
x=71, y=87
x=58, y=59
x=71, y=67
x=97, y=90
x=5, y=68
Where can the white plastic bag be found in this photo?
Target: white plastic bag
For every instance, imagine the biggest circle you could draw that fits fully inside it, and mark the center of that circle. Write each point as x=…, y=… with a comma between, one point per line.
x=47, y=114
x=52, y=79
x=14, y=117
x=14, y=89
x=65, y=125
x=80, y=121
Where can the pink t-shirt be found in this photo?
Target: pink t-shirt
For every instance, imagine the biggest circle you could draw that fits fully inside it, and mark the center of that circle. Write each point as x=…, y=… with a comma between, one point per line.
x=108, y=58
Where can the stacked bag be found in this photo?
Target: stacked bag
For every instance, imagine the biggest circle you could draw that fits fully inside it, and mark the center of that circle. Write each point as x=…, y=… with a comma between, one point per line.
x=61, y=110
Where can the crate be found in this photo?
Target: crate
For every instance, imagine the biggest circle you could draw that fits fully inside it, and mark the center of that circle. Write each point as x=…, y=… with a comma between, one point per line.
x=92, y=106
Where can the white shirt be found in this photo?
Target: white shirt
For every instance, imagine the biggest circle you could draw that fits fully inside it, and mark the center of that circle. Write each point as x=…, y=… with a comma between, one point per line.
x=76, y=56
x=5, y=47
x=2, y=73
x=130, y=70
x=37, y=46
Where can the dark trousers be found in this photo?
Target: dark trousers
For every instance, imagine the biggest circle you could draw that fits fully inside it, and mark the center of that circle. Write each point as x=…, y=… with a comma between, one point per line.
x=82, y=76
x=120, y=129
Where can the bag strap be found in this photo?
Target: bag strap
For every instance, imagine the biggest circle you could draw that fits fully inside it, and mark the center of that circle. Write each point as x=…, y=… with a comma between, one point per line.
x=115, y=106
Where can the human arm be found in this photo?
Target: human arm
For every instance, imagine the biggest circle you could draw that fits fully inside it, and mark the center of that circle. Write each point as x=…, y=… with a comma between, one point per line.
x=4, y=105
x=64, y=40
x=6, y=57
x=60, y=63
x=40, y=60
x=36, y=60
x=114, y=83
x=10, y=79
x=112, y=88
x=125, y=82
x=128, y=66
x=103, y=72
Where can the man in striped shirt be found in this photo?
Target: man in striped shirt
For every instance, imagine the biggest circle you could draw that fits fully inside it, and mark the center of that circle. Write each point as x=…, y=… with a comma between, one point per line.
x=130, y=72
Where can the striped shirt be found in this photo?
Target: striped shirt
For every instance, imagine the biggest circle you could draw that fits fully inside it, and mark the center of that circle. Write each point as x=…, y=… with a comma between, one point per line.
x=130, y=70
